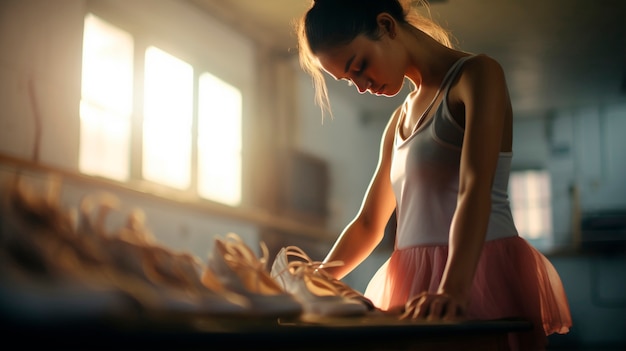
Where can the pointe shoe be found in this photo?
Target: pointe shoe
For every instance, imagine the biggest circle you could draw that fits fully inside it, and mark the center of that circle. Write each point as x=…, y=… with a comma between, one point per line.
x=233, y=266
x=74, y=267
x=181, y=272
x=161, y=280
x=320, y=294
x=173, y=276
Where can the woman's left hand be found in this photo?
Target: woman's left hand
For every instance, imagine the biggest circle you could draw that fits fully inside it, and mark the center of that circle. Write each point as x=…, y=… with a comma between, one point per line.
x=434, y=307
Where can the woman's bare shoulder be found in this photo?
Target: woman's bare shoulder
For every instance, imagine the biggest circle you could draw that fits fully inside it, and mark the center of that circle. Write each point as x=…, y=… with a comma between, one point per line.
x=481, y=66
x=481, y=73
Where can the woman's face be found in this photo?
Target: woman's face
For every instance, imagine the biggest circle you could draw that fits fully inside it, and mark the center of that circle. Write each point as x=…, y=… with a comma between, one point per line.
x=376, y=66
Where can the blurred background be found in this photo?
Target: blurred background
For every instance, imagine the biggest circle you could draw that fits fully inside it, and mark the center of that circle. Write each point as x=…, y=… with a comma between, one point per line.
x=197, y=112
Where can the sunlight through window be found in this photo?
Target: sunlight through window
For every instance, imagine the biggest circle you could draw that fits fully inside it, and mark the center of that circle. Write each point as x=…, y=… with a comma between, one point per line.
x=167, y=126
x=169, y=123
x=219, y=140
x=106, y=103
x=531, y=203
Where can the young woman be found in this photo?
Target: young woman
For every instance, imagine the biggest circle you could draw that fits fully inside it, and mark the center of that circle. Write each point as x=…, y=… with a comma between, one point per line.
x=444, y=166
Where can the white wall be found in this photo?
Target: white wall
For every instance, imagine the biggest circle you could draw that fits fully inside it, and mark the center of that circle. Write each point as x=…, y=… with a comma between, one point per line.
x=40, y=46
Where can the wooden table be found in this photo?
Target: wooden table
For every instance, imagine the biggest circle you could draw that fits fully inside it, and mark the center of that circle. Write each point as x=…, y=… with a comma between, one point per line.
x=205, y=333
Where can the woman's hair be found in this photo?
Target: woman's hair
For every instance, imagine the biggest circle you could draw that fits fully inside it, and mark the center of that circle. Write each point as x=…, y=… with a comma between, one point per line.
x=329, y=23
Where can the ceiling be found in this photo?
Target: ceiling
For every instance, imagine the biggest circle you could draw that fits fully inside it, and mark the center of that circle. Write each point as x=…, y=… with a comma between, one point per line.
x=556, y=53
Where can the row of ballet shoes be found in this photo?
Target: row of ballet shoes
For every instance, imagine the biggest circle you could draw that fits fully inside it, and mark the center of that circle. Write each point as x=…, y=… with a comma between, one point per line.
x=59, y=265
x=56, y=264
x=294, y=287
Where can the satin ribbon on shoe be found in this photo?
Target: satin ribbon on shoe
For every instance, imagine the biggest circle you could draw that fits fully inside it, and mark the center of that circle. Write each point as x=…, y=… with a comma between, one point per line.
x=320, y=294
x=234, y=266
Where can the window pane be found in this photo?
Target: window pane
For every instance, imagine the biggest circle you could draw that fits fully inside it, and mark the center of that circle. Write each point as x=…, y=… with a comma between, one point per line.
x=104, y=143
x=521, y=223
x=107, y=78
x=219, y=140
x=168, y=98
x=535, y=222
x=106, y=104
x=531, y=203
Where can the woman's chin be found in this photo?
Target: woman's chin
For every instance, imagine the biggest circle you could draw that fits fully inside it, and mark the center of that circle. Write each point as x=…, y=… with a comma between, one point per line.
x=389, y=93
x=392, y=91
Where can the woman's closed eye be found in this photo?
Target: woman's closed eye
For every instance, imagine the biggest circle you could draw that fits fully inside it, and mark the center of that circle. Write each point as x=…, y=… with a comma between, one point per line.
x=361, y=68
x=356, y=72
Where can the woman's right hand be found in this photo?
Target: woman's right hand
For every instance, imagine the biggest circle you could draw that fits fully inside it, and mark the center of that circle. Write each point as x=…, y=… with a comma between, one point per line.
x=434, y=307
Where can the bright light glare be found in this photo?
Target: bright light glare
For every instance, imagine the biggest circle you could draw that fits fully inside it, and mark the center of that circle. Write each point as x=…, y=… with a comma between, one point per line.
x=104, y=143
x=107, y=78
x=106, y=103
x=219, y=140
x=530, y=203
x=168, y=100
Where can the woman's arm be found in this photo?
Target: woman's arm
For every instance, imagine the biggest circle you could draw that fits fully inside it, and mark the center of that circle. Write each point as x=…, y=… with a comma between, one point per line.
x=482, y=91
x=366, y=230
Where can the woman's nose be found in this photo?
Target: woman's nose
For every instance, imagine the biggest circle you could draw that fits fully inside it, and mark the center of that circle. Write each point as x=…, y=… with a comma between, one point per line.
x=363, y=85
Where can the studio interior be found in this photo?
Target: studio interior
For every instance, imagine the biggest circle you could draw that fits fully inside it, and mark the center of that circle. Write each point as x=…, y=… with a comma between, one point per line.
x=189, y=127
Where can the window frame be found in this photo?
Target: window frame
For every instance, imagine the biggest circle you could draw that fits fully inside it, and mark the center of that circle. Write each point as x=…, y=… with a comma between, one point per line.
x=143, y=38
x=545, y=240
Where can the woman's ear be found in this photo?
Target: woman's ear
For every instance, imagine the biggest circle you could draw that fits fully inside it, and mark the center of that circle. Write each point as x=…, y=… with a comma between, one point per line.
x=387, y=24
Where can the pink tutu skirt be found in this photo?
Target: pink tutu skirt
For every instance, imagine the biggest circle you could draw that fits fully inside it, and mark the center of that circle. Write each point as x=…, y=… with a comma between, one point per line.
x=512, y=280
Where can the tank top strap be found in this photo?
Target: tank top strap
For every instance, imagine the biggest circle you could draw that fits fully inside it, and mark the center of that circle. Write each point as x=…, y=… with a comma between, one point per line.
x=445, y=85
x=454, y=71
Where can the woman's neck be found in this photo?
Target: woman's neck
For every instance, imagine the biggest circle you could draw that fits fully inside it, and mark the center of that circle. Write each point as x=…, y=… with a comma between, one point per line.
x=429, y=60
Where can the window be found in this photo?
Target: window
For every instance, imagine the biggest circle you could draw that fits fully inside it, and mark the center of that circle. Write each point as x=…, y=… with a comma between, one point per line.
x=219, y=123
x=177, y=123
x=531, y=204
x=106, y=103
x=167, y=118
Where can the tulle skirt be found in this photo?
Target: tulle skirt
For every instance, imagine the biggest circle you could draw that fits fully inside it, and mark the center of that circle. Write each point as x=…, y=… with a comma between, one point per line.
x=512, y=280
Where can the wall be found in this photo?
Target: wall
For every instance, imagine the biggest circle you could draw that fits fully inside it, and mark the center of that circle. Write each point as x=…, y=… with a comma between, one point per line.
x=585, y=144
x=41, y=43
x=581, y=147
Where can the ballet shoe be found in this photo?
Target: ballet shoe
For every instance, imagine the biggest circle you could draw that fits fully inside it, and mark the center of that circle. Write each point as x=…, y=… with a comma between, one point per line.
x=320, y=295
x=234, y=267
x=181, y=272
x=174, y=276
x=126, y=269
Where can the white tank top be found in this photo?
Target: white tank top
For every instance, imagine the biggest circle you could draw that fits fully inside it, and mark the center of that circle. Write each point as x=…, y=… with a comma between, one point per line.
x=425, y=177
